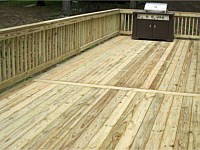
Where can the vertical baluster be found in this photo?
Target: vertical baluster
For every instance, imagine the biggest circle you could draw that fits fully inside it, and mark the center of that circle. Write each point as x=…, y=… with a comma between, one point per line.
x=76, y=35
x=178, y=25
x=1, y=69
x=115, y=20
x=124, y=22
x=40, y=48
x=85, y=30
x=132, y=22
x=73, y=36
x=102, y=29
x=4, y=60
x=61, y=41
x=29, y=52
x=193, y=26
x=36, y=49
x=181, y=25
x=47, y=45
x=128, y=24
x=50, y=44
x=75, y=42
x=25, y=54
x=186, y=22
x=66, y=43
x=80, y=33
x=13, y=56
x=17, y=54
x=189, y=26
x=104, y=26
x=197, y=26
x=83, y=33
x=108, y=22
x=56, y=42
x=175, y=22
x=95, y=29
x=22, y=39
x=98, y=28
x=53, y=43
x=8, y=47
x=67, y=38
x=33, y=50
x=43, y=47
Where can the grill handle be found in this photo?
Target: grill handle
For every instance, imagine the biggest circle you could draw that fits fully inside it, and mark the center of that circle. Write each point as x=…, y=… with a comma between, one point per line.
x=150, y=26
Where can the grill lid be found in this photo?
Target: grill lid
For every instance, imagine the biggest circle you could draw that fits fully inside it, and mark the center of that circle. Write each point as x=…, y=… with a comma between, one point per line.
x=156, y=7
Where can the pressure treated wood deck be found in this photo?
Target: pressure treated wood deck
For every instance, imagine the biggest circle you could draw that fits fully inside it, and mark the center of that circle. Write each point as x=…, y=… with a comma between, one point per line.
x=122, y=94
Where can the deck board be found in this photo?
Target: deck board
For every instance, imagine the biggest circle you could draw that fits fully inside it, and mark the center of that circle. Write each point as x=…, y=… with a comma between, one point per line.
x=122, y=94
x=130, y=64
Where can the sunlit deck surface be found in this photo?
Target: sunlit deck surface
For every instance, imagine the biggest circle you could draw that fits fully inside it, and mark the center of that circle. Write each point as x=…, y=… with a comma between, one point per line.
x=123, y=94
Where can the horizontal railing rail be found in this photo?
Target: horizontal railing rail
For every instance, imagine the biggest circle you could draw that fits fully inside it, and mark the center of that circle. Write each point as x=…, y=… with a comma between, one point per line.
x=28, y=49
x=186, y=24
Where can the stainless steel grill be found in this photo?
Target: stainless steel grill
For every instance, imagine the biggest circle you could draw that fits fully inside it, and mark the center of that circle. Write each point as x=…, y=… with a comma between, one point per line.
x=156, y=7
x=154, y=22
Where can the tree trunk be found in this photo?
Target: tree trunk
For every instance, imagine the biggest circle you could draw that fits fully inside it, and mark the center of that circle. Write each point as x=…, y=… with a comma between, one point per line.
x=133, y=4
x=40, y=3
x=66, y=7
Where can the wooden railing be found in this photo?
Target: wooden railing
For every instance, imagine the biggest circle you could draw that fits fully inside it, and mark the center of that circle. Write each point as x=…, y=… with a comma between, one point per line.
x=126, y=18
x=28, y=49
x=186, y=25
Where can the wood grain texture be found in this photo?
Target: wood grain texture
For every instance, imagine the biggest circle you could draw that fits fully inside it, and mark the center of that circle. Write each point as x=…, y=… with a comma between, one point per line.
x=152, y=65
x=72, y=117
x=122, y=94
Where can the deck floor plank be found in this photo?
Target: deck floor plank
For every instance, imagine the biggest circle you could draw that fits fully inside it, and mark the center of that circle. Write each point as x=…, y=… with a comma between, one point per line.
x=160, y=124
x=183, y=131
x=122, y=94
x=197, y=81
x=52, y=132
x=169, y=134
x=143, y=133
x=194, y=135
x=133, y=126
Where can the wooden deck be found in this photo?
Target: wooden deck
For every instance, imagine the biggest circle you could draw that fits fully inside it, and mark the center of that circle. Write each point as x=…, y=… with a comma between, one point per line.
x=122, y=94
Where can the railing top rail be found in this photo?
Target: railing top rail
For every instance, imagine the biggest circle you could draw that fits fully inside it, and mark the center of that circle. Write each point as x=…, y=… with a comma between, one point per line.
x=177, y=13
x=187, y=14
x=44, y=25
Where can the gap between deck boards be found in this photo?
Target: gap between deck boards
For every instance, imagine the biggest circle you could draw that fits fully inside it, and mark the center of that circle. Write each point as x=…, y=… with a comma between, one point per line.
x=117, y=88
